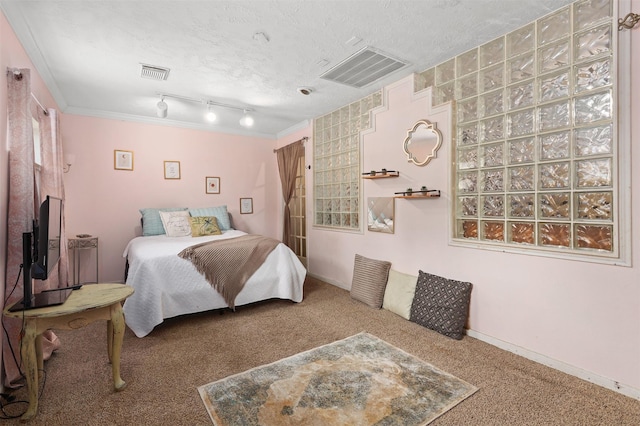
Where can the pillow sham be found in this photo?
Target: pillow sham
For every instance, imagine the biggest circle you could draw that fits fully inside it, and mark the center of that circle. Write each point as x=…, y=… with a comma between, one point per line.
x=204, y=225
x=151, y=222
x=398, y=295
x=441, y=304
x=220, y=213
x=369, y=280
x=176, y=224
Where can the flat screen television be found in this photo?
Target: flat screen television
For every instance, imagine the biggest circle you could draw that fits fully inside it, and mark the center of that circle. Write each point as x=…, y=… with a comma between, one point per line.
x=46, y=243
x=40, y=254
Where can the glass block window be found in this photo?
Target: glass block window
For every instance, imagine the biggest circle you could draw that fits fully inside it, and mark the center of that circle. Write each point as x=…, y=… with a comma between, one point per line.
x=337, y=177
x=535, y=149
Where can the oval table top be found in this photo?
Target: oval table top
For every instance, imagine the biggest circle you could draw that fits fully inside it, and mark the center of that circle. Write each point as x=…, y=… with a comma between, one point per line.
x=89, y=296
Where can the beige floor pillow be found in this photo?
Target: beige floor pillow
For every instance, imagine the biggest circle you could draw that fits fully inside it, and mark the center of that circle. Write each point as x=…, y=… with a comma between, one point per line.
x=399, y=293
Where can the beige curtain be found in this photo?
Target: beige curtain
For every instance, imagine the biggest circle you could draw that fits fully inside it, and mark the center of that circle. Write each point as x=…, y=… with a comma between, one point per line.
x=21, y=209
x=288, y=158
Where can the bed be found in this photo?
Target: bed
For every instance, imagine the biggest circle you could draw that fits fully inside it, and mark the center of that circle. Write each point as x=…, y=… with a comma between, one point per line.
x=167, y=285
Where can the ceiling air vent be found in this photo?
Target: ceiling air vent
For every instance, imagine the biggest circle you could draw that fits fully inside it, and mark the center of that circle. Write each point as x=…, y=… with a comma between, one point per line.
x=363, y=68
x=153, y=72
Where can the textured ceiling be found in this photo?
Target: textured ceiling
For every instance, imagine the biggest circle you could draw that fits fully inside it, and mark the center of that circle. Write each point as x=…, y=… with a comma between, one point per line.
x=89, y=52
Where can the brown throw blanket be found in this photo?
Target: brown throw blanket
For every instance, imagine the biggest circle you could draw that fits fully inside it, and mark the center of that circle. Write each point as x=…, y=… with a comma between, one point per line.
x=228, y=264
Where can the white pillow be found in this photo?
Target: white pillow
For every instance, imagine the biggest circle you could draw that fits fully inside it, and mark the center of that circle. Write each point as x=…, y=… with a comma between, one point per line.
x=176, y=224
x=398, y=295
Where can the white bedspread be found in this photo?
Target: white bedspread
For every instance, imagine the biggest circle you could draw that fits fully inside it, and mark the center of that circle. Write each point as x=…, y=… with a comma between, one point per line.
x=167, y=285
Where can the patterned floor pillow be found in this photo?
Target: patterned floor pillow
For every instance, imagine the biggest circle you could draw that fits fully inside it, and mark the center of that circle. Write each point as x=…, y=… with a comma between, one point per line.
x=441, y=304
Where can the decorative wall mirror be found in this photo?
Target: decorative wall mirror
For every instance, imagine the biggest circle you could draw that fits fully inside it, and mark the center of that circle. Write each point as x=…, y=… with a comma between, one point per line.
x=381, y=214
x=422, y=142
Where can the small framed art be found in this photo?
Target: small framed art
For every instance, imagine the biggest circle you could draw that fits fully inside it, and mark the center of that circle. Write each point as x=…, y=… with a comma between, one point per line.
x=246, y=205
x=122, y=160
x=212, y=185
x=172, y=170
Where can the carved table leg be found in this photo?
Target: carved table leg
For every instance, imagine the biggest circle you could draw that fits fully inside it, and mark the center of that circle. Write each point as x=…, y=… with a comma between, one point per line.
x=39, y=359
x=30, y=359
x=117, y=325
x=110, y=340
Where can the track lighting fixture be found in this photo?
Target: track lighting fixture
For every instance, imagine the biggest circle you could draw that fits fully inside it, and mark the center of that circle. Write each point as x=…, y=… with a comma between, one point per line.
x=162, y=108
x=210, y=114
x=246, y=120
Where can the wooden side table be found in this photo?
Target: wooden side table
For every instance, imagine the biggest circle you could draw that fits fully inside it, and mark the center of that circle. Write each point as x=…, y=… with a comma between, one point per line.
x=90, y=303
x=78, y=245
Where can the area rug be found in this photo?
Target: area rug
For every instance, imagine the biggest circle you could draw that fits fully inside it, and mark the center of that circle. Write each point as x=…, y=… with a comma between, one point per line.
x=360, y=380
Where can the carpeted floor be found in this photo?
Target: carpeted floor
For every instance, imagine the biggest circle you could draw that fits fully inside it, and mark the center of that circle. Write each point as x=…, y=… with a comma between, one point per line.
x=164, y=369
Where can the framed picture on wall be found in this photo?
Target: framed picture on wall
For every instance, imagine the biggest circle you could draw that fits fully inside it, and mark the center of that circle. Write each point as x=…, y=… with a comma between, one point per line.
x=122, y=160
x=246, y=205
x=212, y=185
x=172, y=170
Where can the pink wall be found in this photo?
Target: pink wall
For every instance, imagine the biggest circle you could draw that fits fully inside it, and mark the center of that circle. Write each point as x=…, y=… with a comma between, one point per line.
x=579, y=314
x=104, y=202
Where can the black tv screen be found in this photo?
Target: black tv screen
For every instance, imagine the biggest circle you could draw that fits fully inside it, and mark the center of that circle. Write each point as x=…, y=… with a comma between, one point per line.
x=47, y=238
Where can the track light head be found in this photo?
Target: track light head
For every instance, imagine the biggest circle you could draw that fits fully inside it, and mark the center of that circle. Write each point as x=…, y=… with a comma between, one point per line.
x=210, y=116
x=162, y=108
x=246, y=120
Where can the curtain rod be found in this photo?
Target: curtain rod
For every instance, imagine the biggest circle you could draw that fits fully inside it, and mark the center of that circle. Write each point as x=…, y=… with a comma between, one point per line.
x=44, y=110
x=17, y=74
x=304, y=139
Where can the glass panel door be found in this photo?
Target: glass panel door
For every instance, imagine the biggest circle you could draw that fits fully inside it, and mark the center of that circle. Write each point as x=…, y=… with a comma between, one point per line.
x=298, y=216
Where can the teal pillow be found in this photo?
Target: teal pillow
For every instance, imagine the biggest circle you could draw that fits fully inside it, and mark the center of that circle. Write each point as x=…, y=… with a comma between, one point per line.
x=219, y=212
x=151, y=222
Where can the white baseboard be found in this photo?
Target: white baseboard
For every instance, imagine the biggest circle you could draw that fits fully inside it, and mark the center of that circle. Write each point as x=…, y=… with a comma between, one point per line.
x=328, y=281
x=605, y=382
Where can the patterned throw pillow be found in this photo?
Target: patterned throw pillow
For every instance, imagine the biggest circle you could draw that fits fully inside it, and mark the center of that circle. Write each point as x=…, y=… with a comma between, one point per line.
x=369, y=280
x=441, y=304
x=176, y=224
x=151, y=222
x=204, y=225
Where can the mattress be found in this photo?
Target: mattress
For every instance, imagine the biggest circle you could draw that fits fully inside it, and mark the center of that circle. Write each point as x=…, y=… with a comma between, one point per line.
x=167, y=286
